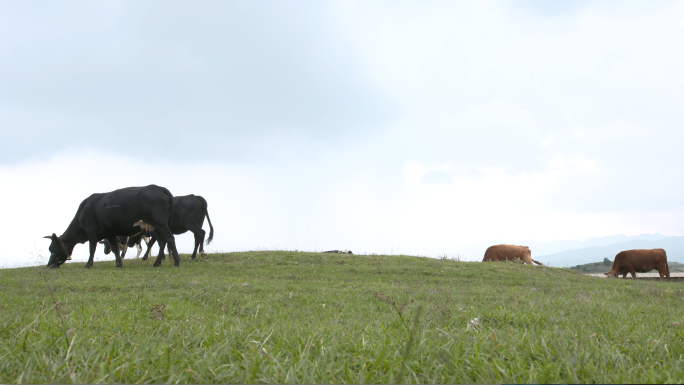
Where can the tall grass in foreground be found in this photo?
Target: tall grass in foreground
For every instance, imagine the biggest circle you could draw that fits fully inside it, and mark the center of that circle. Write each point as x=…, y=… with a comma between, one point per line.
x=282, y=316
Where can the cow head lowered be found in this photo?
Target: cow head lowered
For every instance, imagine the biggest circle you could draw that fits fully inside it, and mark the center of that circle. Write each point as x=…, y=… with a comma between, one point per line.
x=59, y=251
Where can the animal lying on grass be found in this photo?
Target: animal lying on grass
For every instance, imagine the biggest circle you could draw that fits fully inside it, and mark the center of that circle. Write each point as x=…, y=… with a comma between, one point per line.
x=641, y=261
x=500, y=253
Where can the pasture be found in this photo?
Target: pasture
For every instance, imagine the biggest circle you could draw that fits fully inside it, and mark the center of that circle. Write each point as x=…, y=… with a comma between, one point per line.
x=285, y=316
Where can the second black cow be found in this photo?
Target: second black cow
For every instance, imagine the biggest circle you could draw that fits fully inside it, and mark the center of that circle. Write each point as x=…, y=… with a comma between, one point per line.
x=188, y=215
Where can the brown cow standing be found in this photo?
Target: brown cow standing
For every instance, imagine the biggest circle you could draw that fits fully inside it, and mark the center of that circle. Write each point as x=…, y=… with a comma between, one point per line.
x=499, y=253
x=640, y=260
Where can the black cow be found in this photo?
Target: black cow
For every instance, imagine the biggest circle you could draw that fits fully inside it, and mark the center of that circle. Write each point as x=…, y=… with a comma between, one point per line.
x=126, y=242
x=121, y=212
x=188, y=215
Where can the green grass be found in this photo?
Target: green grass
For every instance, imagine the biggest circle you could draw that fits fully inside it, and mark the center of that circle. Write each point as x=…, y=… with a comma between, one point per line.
x=283, y=316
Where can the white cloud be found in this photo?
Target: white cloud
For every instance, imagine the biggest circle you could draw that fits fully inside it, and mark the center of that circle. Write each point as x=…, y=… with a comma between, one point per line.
x=374, y=126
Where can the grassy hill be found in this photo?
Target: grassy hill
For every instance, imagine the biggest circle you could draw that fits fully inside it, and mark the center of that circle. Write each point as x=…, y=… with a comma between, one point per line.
x=602, y=267
x=282, y=316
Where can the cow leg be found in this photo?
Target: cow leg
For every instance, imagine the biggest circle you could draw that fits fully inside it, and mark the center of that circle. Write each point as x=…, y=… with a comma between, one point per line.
x=161, y=228
x=115, y=249
x=139, y=244
x=160, y=257
x=149, y=248
x=624, y=276
x=199, y=240
x=123, y=251
x=93, y=246
x=633, y=274
x=667, y=272
x=664, y=273
x=165, y=234
x=200, y=243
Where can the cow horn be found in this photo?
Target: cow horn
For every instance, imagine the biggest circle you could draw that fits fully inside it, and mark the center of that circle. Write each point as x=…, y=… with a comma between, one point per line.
x=48, y=236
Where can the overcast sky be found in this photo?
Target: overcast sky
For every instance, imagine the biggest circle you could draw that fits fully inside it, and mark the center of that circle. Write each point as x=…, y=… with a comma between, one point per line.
x=377, y=126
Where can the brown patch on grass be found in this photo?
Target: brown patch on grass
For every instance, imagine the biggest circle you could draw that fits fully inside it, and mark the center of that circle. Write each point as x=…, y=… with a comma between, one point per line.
x=158, y=311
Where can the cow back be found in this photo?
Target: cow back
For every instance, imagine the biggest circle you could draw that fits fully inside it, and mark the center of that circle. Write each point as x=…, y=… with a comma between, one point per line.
x=498, y=253
x=117, y=212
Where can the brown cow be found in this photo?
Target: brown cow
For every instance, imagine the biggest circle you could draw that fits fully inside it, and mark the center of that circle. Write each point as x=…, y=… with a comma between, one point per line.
x=640, y=260
x=499, y=253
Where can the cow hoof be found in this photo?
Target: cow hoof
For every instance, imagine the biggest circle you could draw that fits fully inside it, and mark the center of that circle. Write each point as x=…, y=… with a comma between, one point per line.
x=203, y=255
x=156, y=265
x=53, y=267
x=176, y=265
x=193, y=258
x=87, y=266
x=144, y=258
x=119, y=265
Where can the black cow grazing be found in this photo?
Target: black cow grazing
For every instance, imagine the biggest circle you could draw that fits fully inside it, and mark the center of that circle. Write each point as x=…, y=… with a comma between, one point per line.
x=339, y=251
x=121, y=212
x=126, y=242
x=188, y=215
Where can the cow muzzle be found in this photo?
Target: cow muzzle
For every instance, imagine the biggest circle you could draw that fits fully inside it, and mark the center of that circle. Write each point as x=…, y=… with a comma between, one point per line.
x=55, y=261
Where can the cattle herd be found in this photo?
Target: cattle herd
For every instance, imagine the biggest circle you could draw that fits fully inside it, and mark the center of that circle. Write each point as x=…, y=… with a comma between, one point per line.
x=124, y=218
x=628, y=261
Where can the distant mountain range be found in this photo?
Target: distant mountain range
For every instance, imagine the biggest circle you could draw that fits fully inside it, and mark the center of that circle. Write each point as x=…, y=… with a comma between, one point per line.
x=553, y=247
x=563, y=253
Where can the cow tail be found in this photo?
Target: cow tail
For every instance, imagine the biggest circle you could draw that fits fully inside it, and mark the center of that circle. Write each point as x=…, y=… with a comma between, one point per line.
x=667, y=265
x=211, y=227
x=538, y=263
